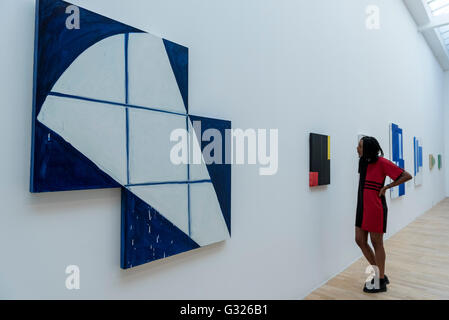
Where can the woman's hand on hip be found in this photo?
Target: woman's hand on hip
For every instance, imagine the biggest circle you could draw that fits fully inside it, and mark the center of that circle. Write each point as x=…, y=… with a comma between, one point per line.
x=382, y=191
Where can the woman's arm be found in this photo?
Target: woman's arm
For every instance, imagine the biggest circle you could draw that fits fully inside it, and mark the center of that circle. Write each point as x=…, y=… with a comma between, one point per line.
x=404, y=177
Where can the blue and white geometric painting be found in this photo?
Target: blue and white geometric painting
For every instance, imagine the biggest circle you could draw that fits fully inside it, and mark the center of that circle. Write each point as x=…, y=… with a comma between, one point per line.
x=397, y=156
x=106, y=98
x=418, y=161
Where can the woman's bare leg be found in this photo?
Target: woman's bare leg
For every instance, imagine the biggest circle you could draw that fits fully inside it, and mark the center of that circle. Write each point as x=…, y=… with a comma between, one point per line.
x=361, y=238
x=378, y=244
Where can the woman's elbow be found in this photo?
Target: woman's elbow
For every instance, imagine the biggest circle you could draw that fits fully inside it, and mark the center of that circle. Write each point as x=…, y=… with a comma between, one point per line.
x=407, y=176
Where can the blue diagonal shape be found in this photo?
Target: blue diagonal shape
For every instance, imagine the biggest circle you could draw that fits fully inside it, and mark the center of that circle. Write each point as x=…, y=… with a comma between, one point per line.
x=63, y=168
x=220, y=174
x=179, y=60
x=56, y=47
x=147, y=235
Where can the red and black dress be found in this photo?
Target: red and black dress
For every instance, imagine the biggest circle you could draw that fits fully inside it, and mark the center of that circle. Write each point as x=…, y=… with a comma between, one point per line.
x=371, y=209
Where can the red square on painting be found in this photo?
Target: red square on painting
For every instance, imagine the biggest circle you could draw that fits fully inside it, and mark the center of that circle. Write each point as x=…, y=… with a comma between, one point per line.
x=313, y=179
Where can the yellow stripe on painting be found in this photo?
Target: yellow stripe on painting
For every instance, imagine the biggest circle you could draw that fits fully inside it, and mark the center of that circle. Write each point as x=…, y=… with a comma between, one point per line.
x=328, y=147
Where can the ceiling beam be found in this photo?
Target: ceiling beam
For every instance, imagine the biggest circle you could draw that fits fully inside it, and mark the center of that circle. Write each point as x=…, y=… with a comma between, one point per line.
x=427, y=24
x=419, y=11
x=439, y=21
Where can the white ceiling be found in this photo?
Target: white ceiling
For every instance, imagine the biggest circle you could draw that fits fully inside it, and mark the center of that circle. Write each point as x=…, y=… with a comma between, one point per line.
x=432, y=19
x=438, y=7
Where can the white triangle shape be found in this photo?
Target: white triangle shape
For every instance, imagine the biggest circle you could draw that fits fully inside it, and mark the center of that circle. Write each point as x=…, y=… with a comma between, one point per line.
x=170, y=200
x=152, y=82
x=197, y=167
x=98, y=73
x=207, y=223
x=97, y=130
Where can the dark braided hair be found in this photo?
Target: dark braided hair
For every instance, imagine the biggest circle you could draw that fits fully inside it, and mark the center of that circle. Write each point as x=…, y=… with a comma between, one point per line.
x=371, y=149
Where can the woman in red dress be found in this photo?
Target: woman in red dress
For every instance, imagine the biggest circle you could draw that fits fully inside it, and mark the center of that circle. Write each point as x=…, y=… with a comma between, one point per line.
x=371, y=217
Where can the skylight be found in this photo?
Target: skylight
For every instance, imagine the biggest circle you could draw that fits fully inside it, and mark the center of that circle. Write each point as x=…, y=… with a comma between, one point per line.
x=432, y=19
x=438, y=7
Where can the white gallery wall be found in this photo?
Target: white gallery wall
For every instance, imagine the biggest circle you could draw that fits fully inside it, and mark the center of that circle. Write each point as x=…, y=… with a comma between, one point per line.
x=446, y=129
x=294, y=65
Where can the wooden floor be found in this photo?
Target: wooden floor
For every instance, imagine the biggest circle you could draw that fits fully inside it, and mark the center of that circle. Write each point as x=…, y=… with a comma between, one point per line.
x=417, y=263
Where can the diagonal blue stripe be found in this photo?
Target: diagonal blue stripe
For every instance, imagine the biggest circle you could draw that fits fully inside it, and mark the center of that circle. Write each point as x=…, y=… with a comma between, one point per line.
x=69, y=96
x=167, y=182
